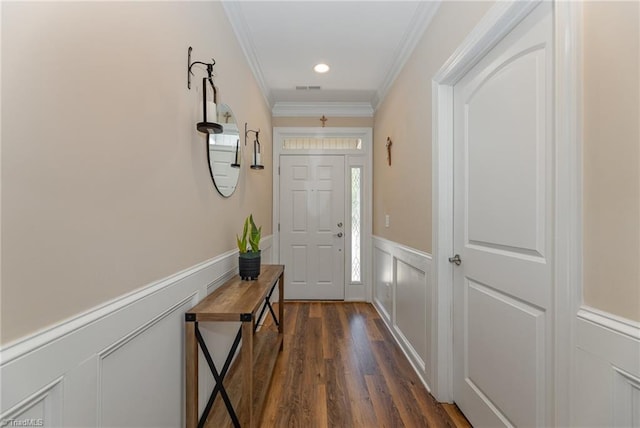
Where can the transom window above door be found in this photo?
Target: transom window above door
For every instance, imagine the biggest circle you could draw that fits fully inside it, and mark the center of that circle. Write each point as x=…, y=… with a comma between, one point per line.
x=325, y=143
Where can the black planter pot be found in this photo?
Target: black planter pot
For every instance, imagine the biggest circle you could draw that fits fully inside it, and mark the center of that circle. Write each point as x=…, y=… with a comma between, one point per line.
x=249, y=265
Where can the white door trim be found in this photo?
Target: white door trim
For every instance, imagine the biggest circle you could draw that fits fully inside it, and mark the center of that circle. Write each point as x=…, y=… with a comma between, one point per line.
x=497, y=23
x=568, y=193
x=353, y=292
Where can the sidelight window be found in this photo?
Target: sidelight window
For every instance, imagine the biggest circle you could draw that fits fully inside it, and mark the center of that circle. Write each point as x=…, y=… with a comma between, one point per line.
x=356, y=224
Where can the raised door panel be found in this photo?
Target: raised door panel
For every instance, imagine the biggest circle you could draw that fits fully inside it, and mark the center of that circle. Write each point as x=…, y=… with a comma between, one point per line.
x=505, y=146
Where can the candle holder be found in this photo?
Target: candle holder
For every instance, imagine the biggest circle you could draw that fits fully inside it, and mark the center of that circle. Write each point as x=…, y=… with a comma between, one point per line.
x=256, y=147
x=209, y=123
x=236, y=163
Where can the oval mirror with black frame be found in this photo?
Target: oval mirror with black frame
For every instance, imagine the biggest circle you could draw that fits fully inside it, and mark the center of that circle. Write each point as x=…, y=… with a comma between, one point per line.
x=224, y=153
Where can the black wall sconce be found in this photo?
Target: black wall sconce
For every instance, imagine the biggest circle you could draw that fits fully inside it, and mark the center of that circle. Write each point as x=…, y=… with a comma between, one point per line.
x=256, y=147
x=209, y=123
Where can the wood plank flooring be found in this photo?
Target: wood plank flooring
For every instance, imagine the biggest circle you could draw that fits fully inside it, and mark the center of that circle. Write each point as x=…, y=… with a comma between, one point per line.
x=342, y=368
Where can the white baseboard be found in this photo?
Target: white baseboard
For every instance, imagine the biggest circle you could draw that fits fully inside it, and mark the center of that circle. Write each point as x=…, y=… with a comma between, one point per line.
x=403, y=295
x=606, y=377
x=119, y=364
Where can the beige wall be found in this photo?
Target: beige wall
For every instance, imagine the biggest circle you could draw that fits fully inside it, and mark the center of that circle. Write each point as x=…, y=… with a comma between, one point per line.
x=612, y=157
x=105, y=186
x=104, y=182
x=403, y=190
x=306, y=122
x=611, y=146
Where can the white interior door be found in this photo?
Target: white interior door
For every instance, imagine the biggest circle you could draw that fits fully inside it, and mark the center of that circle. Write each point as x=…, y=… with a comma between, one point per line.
x=312, y=218
x=503, y=230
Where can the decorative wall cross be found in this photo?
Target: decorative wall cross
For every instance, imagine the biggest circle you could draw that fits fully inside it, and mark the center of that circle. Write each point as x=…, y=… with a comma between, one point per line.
x=323, y=120
x=389, y=144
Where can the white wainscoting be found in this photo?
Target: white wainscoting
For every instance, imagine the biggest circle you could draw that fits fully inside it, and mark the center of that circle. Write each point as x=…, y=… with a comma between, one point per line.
x=120, y=364
x=606, y=371
x=403, y=295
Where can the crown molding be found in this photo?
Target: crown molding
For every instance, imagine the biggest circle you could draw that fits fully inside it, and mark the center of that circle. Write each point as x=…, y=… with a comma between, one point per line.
x=425, y=12
x=421, y=20
x=312, y=109
x=233, y=9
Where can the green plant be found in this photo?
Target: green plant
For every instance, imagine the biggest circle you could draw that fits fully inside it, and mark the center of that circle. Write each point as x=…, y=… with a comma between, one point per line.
x=251, y=234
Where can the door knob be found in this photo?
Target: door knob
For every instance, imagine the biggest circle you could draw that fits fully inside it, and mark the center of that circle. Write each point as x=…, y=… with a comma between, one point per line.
x=340, y=224
x=339, y=234
x=456, y=259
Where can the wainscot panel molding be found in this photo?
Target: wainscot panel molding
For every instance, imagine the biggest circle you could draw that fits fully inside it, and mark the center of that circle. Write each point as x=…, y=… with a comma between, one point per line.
x=403, y=295
x=606, y=377
x=119, y=364
x=44, y=404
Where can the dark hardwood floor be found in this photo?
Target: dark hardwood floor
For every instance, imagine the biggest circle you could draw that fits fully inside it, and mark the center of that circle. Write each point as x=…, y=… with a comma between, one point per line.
x=342, y=368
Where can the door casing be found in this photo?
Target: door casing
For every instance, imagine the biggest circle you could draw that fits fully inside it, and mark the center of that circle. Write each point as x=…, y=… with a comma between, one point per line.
x=363, y=158
x=498, y=22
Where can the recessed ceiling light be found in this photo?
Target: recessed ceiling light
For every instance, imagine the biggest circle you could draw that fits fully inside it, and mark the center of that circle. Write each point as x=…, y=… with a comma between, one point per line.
x=321, y=68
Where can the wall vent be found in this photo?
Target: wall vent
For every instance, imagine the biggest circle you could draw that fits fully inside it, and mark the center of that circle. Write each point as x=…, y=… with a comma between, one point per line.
x=307, y=88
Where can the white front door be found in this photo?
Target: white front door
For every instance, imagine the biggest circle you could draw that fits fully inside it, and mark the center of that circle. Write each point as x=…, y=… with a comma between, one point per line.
x=312, y=218
x=503, y=230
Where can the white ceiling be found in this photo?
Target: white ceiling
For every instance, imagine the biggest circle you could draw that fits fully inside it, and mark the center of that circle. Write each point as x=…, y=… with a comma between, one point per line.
x=365, y=43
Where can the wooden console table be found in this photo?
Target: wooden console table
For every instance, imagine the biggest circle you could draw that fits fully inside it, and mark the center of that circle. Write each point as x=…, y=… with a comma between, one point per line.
x=244, y=390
